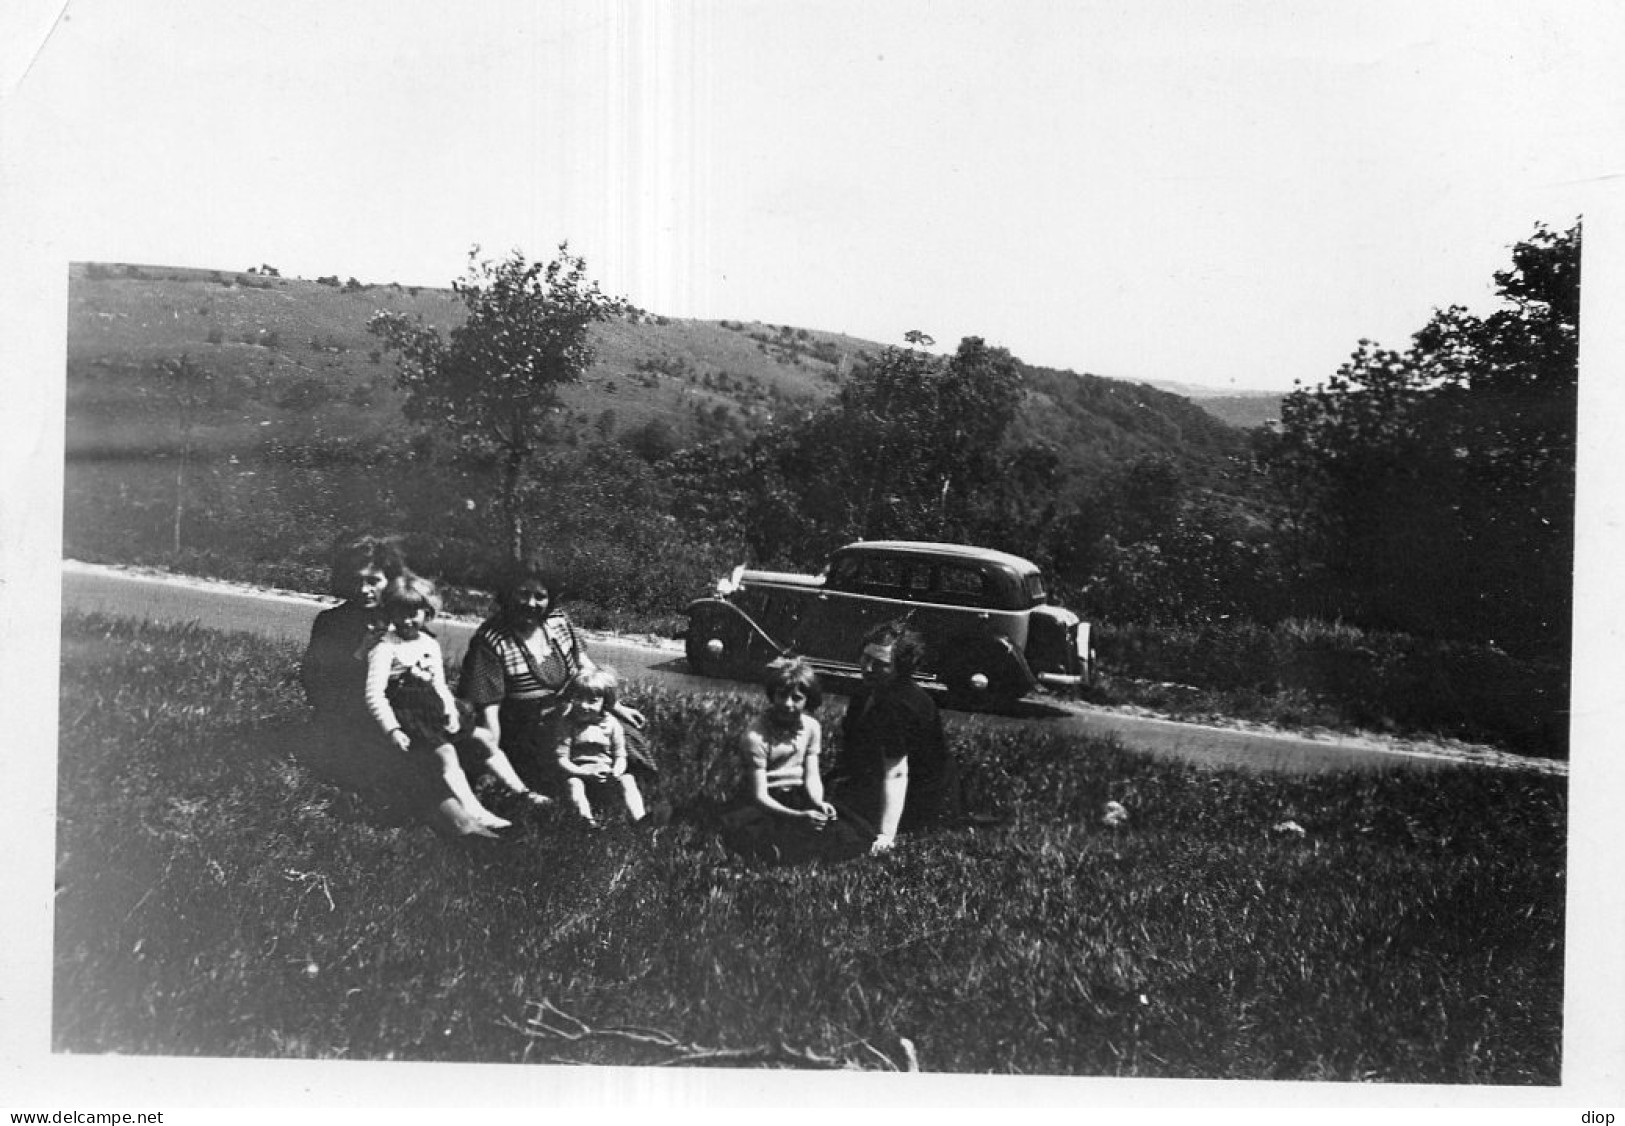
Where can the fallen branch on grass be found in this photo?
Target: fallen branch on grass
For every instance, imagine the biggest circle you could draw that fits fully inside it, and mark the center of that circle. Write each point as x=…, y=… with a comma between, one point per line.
x=548, y=1022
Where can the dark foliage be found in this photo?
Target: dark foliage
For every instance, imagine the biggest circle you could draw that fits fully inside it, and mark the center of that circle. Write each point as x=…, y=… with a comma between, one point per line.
x=1432, y=491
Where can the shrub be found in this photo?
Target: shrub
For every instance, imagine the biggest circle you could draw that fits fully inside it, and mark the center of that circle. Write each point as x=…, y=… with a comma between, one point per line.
x=1373, y=679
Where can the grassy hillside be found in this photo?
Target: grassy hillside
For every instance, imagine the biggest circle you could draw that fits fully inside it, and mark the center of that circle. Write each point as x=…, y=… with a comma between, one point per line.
x=284, y=350
x=292, y=360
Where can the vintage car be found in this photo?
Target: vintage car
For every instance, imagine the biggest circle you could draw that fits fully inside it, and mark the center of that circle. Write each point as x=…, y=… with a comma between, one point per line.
x=992, y=636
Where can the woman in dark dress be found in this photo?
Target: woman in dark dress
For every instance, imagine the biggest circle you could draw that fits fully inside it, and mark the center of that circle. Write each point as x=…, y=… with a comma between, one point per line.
x=348, y=745
x=895, y=769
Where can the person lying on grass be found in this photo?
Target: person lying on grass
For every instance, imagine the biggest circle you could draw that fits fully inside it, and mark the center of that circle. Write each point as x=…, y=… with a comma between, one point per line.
x=895, y=769
x=408, y=696
x=345, y=743
x=591, y=746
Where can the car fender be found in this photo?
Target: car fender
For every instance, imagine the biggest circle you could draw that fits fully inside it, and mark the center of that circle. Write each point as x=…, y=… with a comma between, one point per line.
x=721, y=634
x=992, y=656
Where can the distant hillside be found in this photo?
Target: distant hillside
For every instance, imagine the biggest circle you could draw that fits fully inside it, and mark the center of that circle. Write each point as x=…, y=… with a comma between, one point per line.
x=1245, y=409
x=293, y=362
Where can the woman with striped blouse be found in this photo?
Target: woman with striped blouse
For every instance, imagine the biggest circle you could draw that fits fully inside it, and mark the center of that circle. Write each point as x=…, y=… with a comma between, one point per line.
x=519, y=663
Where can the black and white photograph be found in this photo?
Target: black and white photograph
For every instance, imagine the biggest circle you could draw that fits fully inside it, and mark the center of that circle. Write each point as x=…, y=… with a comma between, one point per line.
x=890, y=555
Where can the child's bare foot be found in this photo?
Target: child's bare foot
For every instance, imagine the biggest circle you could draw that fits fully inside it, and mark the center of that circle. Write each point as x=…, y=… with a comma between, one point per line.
x=492, y=821
x=533, y=799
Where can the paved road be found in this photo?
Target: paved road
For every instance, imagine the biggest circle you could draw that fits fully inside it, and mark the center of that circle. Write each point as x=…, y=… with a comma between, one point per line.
x=287, y=617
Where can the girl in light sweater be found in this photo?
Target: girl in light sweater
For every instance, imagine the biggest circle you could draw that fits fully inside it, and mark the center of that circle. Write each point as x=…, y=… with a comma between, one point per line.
x=780, y=749
x=409, y=698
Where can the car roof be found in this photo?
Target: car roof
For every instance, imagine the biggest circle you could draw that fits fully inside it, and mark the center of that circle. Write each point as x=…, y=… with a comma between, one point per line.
x=946, y=551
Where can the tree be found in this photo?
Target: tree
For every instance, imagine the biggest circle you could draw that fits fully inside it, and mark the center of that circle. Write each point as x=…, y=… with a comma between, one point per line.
x=494, y=380
x=191, y=384
x=1435, y=486
x=912, y=437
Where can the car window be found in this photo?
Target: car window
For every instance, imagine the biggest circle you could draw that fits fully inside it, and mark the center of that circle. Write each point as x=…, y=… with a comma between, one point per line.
x=1035, y=587
x=964, y=586
x=878, y=571
x=843, y=573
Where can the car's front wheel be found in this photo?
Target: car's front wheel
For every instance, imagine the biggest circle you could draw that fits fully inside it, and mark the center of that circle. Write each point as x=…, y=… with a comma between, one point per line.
x=983, y=674
x=714, y=645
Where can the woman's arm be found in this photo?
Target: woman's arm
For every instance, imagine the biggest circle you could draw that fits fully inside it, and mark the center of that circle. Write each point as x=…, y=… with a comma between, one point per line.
x=893, y=793
x=630, y=716
x=490, y=718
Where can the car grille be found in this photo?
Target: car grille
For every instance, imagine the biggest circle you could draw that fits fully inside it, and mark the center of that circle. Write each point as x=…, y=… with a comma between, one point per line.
x=1051, y=645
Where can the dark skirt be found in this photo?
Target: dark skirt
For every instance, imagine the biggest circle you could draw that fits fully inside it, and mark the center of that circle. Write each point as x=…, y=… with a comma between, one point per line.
x=752, y=833
x=420, y=711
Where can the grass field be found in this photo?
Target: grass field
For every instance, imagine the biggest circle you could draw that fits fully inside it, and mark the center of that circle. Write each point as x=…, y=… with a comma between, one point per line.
x=217, y=898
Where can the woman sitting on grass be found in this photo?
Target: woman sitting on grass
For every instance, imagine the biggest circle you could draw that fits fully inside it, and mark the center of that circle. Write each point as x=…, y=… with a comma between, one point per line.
x=518, y=665
x=346, y=745
x=895, y=768
x=408, y=697
x=591, y=747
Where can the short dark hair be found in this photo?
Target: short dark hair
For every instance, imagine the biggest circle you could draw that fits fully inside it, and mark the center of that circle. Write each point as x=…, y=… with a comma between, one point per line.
x=518, y=574
x=907, y=646
x=357, y=553
x=791, y=673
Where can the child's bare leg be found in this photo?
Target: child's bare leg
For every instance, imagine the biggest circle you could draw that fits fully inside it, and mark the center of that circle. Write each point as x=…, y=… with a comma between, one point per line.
x=450, y=819
x=578, y=798
x=457, y=783
x=633, y=796
x=497, y=763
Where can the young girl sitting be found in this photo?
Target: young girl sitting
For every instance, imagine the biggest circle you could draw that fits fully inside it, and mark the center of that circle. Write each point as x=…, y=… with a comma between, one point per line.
x=407, y=694
x=781, y=747
x=780, y=814
x=591, y=747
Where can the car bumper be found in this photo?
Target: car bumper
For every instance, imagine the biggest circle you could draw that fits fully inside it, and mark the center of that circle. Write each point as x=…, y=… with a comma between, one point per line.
x=1059, y=680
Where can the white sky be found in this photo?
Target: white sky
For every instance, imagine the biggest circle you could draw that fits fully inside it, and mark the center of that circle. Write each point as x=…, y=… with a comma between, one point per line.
x=1222, y=193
